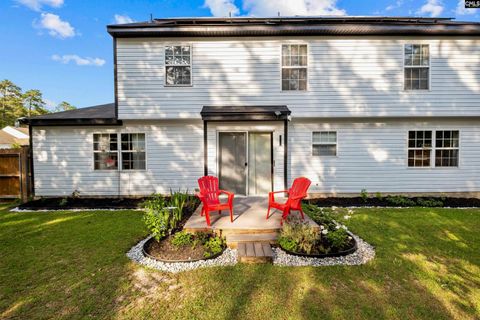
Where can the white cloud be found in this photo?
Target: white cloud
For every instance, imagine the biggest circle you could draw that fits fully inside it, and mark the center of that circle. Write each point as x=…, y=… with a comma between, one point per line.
x=38, y=4
x=121, y=19
x=79, y=61
x=434, y=8
x=270, y=8
x=222, y=8
x=396, y=5
x=462, y=11
x=56, y=27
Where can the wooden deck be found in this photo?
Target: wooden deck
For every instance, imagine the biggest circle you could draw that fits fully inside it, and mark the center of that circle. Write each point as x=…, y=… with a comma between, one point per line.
x=249, y=218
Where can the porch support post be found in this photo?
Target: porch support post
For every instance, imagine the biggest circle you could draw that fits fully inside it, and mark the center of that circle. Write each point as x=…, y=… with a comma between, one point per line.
x=285, y=154
x=205, y=148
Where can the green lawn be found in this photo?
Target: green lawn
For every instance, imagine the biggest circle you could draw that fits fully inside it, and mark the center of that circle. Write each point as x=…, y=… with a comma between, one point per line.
x=73, y=265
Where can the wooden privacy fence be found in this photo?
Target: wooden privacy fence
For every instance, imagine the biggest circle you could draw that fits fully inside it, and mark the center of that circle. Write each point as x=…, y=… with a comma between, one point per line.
x=15, y=173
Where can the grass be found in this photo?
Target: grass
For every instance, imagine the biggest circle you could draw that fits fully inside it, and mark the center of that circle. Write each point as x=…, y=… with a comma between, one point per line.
x=73, y=265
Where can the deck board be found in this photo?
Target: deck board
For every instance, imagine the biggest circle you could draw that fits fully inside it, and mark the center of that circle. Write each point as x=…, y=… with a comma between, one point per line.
x=249, y=216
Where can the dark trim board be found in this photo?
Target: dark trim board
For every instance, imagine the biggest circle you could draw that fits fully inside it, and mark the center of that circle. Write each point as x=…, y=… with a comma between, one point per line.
x=295, y=26
x=115, y=81
x=74, y=122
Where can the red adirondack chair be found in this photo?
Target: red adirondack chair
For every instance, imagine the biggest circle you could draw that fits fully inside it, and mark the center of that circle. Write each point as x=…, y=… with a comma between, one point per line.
x=209, y=195
x=296, y=193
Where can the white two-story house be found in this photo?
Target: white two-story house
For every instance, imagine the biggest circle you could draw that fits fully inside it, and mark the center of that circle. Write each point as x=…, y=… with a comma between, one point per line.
x=389, y=105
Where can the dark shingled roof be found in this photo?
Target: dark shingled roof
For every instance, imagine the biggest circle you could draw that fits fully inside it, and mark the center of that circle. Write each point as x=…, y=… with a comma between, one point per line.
x=244, y=113
x=103, y=114
x=284, y=26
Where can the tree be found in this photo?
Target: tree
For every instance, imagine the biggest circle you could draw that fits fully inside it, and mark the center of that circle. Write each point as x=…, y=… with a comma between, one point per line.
x=10, y=102
x=64, y=106
x=34, y=103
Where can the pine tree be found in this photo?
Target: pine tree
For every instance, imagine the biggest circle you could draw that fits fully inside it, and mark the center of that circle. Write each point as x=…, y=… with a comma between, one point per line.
x=64, y=106
x=33, y=102
x=10, y=102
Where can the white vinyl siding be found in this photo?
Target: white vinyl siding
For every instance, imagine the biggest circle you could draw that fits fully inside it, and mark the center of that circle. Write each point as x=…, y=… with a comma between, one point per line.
x=374, y=157
x=63, y=160
x=347, y=77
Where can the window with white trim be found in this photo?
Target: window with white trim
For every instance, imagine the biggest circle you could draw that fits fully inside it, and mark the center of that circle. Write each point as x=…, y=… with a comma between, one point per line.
x=133, y=151
x=294, y=67
x=419, y=148
x=105, y=151
x=416, y=67
x=178, y=65
x=324, y=143
x=446, y=148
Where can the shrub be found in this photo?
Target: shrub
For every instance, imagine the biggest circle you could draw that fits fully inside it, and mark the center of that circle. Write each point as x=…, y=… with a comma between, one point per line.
x=338, y=238
x=213, y=246
x=364, y=195
x=378, y=195
x=182, y=239
x=429, y=202
x=321, y=216
x=300, y=233
x=200, y=238
x=163, y=215
x=400, y=201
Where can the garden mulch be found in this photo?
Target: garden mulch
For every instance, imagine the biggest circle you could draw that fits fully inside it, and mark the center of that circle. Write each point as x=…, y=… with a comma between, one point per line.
x=449, y=202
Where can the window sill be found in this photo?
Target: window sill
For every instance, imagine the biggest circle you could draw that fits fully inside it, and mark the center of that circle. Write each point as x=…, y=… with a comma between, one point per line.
x=178, y=86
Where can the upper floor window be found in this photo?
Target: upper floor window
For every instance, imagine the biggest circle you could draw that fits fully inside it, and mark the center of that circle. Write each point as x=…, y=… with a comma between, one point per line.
x=178, y=65
x=294, y=67
x=324, y=143
x=417, y=67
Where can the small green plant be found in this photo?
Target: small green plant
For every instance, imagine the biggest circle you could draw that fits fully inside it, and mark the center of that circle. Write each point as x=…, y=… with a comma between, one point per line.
x=287, y=244
x=213, y=246
x=338, y=238
x=379, y=196
x=364, y=195
x=430, y=202
x=200, y=238
x=75, y=194
x=400, y=201
x=63, y=202
x=182, y=239
x=301, y=233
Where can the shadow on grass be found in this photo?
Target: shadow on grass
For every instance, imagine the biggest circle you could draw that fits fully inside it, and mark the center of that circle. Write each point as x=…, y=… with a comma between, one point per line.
x=64, y=264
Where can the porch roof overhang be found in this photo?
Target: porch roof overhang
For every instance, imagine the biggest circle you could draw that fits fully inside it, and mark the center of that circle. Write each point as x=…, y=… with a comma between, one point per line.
x=245, y=113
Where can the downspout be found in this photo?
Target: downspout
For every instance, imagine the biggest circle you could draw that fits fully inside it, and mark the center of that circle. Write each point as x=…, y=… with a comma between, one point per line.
x=205, y=148
x=285, y=154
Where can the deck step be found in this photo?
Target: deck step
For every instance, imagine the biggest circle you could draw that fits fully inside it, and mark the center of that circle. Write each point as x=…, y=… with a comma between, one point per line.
x=254, y=252
x=233, y=240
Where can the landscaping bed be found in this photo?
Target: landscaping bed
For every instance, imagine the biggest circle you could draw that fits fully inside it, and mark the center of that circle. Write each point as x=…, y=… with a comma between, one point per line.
x=170, y=248
x=184, y=247
x=396, y=201
x=69, y=203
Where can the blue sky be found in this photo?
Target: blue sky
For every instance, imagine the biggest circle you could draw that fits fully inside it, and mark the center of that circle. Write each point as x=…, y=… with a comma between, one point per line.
x=61, y=47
